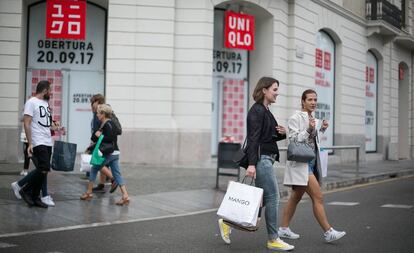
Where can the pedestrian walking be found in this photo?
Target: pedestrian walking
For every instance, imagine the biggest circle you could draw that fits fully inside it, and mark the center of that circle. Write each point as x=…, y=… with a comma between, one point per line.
x=24, y=141
x=37, y=121
x=263, y=132
x=104, y=113
x=99, y=99
x=306, y=177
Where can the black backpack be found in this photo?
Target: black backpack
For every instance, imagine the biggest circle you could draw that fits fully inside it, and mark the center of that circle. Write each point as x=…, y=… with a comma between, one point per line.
x=116, y=124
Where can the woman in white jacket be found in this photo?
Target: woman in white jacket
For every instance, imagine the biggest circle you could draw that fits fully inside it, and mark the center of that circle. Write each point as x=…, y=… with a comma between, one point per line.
x=305, y=177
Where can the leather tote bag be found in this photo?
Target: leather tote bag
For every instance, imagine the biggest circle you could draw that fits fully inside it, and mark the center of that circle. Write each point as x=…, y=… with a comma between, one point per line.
x=300, y=152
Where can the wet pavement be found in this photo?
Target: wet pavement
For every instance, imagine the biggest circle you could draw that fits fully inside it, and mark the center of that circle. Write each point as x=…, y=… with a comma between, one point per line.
x=155, y=192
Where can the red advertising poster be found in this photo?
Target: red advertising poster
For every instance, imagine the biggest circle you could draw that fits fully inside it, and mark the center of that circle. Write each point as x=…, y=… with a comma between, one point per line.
x=327, y=61
x=401, y=73
x=233, y=109
x=55, y=102
x=66, y=19
x=238, y=31
x=318, y=58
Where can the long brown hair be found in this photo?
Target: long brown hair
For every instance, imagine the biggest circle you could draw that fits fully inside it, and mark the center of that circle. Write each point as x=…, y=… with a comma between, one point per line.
x=264, y=83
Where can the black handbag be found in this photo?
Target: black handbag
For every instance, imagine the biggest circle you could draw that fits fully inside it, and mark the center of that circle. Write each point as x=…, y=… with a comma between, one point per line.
x=64, y=155
x=106, y=148
x=241, y=157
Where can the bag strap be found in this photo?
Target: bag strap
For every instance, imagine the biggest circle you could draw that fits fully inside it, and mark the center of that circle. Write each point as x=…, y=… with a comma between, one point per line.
x=252, y=182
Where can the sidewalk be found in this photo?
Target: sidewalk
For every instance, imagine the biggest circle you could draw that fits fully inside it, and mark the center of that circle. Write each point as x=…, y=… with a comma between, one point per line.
x=155, y=192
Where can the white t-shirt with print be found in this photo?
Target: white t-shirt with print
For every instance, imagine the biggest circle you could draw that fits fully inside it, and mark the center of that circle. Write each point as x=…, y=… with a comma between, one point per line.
x=39, y=110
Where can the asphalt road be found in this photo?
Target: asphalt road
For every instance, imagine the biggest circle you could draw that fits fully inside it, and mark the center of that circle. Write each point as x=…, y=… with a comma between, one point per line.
x=370, y=227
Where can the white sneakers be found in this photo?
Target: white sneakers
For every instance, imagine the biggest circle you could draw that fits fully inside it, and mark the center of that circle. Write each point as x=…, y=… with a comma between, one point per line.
x=48, y=200
x=23, y=173
x=287, y=233
x=16, y=188
x=330, y=235
x=333, y=235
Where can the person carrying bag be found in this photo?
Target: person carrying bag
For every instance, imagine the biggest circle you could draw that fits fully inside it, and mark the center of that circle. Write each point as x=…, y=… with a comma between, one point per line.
x=262, y=151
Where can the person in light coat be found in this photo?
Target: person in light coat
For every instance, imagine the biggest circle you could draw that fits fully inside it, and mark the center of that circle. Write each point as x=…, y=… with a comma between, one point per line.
x=306, y=177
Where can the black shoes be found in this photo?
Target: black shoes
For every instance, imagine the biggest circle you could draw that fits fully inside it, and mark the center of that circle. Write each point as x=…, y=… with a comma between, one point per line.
x=99, y=188
x=39, y=203
x=27, y=198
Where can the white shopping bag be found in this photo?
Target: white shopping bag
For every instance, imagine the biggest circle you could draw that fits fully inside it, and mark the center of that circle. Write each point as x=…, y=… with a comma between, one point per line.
x=241, y=204
x=323, y=156
x=85, y=163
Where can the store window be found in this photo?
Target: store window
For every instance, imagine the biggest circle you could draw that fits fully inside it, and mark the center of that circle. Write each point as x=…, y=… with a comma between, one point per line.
x=371, y=87
x=230, y=85
x=67, y=47
x=325, y=82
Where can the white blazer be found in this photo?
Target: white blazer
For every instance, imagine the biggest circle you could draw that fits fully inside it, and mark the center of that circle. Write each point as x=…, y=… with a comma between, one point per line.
x=297, y=173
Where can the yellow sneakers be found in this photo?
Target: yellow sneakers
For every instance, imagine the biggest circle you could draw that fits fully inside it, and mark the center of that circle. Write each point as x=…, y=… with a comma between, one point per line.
x=225, y=231
x=280, y=245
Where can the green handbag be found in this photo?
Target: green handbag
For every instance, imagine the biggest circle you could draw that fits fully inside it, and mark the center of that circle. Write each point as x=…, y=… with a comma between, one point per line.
x=96, y=158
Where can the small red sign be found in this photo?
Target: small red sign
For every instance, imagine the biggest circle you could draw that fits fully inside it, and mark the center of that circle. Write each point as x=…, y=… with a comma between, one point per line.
x=327, y=61
x=66, y=19
x=401, y=73
x=318, y=58
x=238, y=31
x=371, y=75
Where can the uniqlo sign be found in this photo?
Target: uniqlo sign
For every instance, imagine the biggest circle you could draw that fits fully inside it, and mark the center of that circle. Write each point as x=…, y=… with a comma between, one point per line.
x=238, y=31
x=66, y=19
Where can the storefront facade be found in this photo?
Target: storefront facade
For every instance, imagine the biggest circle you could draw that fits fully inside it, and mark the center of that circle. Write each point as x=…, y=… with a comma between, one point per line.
x=178, y=90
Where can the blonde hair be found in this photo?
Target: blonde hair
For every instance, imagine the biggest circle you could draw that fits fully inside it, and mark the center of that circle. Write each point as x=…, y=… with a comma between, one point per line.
x=105, y=109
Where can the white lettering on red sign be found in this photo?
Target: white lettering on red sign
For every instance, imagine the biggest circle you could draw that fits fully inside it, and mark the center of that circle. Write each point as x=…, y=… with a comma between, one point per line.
x=66, y=19
x=239, y=31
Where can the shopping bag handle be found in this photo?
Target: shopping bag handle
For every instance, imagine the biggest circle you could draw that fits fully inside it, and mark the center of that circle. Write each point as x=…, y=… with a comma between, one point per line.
x=252, y=182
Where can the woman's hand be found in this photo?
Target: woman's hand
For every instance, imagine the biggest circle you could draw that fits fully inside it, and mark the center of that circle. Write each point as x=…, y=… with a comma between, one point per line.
x=312, y=123
x=325, y=125
x=281, y=130
x=98, y=133
x=251, y=171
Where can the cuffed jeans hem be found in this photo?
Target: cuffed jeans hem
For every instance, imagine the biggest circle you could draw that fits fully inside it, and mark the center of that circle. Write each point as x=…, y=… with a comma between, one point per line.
x=273, y=237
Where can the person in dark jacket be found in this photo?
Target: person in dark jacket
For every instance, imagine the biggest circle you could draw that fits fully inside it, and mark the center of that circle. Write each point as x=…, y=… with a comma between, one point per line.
x=263, y=132
x=104, y=113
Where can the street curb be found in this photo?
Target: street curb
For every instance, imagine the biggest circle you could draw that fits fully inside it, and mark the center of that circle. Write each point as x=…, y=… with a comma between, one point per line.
x=355, y=181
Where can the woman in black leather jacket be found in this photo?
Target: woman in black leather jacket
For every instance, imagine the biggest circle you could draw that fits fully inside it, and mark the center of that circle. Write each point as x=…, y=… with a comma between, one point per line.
x=263, y=132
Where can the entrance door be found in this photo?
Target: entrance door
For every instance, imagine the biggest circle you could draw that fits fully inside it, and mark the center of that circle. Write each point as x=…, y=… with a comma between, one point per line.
x=229, y=89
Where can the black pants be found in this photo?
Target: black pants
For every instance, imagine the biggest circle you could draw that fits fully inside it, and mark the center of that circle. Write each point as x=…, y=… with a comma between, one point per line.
x=41, y=159
x=26, y=156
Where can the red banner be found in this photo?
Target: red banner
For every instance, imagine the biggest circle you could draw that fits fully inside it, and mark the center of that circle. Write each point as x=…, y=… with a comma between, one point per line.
x=401, y=73
x=66, y=19
x=327, y=60
x=238, y=31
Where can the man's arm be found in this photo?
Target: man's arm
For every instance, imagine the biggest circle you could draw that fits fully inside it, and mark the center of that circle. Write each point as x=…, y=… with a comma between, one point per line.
x=27, y=121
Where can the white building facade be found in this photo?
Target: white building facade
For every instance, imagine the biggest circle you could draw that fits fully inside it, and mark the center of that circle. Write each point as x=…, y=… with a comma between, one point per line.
x=177, y=90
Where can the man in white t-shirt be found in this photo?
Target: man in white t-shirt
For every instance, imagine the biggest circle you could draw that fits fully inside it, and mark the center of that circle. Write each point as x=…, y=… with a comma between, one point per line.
x=37, y=125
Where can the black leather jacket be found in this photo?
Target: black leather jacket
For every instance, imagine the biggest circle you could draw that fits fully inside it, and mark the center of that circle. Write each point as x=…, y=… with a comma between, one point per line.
x=261, y=132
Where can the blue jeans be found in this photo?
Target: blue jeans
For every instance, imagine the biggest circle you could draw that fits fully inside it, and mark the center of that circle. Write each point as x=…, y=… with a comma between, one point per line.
x=26, y=179
x=266, y=179
x=112, y=161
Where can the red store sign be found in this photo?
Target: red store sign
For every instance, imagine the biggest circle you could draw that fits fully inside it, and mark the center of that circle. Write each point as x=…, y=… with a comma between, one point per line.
x=66, y=19
x=238, y=31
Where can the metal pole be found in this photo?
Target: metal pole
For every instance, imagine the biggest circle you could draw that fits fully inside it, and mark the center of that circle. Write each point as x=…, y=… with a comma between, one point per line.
x=357, y=161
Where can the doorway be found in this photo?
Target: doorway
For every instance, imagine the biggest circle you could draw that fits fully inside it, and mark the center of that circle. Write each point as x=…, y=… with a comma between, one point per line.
x=403, y=112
